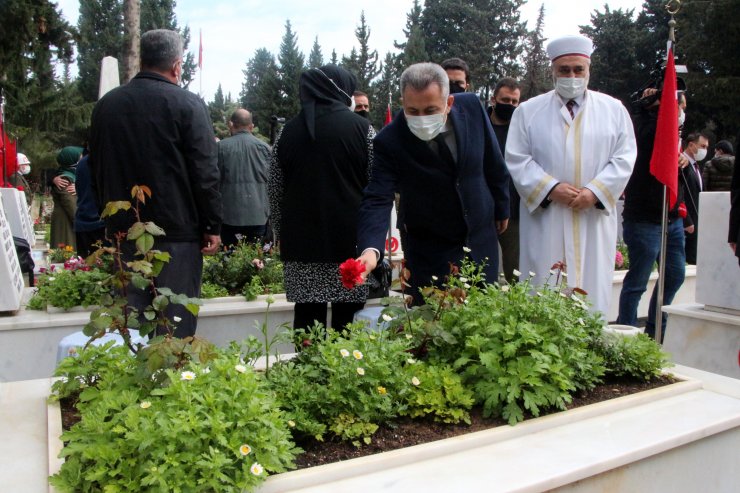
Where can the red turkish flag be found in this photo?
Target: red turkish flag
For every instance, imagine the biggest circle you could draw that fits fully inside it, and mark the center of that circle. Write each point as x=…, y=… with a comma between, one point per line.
x=664, y=161
x=388, y=116
x=8, y=156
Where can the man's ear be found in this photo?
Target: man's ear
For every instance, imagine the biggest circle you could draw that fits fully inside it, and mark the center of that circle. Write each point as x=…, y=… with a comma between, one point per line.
x=450, y=101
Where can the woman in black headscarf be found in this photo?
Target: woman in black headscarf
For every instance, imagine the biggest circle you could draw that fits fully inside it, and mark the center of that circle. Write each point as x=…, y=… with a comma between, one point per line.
x=320, y=166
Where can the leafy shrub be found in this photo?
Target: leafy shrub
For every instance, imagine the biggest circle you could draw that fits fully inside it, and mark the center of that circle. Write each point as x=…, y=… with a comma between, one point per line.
x=438, y=392
x=346, y=384
x=209, y=290
x=246, y=269
x=637, y=357
x=214, y=428
x=68, y=288
x=61, y=253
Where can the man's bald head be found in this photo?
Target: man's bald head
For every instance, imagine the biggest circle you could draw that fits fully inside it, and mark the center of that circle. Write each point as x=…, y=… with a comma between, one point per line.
x=241, y=119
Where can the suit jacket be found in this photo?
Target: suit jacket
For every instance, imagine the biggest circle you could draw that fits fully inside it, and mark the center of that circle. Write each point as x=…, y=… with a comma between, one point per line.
x=444, y=207
x=693, y=188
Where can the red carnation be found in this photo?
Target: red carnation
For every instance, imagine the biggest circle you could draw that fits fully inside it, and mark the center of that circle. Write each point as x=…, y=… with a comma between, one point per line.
x=350, y=271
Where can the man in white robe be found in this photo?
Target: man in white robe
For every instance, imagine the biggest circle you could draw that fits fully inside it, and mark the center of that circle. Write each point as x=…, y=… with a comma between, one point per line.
x=570, y=153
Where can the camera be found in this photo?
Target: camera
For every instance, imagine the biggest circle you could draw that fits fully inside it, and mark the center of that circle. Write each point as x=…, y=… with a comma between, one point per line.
x=657, y=76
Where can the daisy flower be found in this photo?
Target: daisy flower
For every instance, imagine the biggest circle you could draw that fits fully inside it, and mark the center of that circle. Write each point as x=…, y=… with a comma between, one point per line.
x=187, y=375
x=256, y=469
x=245, y=449
x=357, y=354
x=360, y=371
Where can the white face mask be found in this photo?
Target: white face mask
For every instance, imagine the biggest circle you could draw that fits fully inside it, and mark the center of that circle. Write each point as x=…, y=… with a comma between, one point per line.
x=681, y=117
x=700, y=154
x=571, y=87
x=24, y=169
x=426, y=127
x=352, y=104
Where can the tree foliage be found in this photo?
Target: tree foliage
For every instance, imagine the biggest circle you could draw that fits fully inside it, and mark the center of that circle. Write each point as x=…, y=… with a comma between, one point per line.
x=261, y=88
x=614, y=61
x=487, y=34
x=537, y=79
x=290, y=61
x=315, y=58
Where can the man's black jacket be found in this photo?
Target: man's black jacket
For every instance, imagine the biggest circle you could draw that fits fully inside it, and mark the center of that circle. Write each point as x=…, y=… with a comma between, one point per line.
x=152, y=132
x=643, y=197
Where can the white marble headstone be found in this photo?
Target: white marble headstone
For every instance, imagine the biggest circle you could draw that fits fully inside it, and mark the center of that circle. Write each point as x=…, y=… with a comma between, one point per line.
x=109, y=78
x=17, y=214
x=717, y=269
x=11, y=279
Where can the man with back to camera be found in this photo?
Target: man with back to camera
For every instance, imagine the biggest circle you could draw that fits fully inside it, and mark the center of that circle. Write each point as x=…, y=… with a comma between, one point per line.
x=440, y=153
x=153, y=132
x=504, y=101
x=243, y=161
x=570, y=153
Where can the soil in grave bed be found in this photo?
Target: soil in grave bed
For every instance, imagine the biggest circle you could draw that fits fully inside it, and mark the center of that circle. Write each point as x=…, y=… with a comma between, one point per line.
x=407, y=432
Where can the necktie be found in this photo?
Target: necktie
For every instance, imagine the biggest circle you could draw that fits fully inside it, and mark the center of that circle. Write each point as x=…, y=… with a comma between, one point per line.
x=570, y=105
x=443, y=150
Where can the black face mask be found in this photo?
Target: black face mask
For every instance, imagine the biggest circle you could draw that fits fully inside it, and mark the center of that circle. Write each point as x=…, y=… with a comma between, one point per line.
x=456, y=88
x=363, y=113
x=504, y=111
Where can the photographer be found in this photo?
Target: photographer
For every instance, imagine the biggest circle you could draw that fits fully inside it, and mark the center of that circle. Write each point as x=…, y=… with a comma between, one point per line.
x=643, y=210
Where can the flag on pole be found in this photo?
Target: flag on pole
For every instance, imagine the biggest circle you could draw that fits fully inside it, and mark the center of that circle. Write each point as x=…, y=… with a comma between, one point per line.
x=200, y=52
x=388, y=116
x=664, y=161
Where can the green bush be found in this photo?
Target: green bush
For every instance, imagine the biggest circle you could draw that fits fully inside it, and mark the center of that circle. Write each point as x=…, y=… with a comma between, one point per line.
x=206, y=429
x=438, y=392
x=638, y=357
x=246, y=270
x=346, y=384
x=68, y=288
x=209, y=290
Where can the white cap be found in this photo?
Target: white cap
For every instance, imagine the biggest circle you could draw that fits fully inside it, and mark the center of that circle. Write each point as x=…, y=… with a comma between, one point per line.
x=570, y=45
x=23, y=159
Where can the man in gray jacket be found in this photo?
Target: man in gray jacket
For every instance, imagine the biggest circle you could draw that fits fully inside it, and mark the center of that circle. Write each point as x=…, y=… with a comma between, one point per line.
x=243, y=160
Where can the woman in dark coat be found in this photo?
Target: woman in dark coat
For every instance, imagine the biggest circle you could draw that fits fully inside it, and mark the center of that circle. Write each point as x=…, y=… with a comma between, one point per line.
x=319, y=169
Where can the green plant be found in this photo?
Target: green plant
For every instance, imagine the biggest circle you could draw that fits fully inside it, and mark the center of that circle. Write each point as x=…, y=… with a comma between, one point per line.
x=345, y=384
x=140, y=270
x=637, y=357
x=68, y=288
x=245, y=269
x=518, y=351
x=438, y=392
x=210, y=290
x=61, y=254
x=203, y=429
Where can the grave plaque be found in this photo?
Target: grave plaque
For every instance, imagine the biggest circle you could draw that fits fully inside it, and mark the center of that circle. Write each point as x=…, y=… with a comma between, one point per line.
x=11, y=278
x=17, y=215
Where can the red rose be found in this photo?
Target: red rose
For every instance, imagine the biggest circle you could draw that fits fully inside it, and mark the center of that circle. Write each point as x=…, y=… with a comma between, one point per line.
x=350, y=272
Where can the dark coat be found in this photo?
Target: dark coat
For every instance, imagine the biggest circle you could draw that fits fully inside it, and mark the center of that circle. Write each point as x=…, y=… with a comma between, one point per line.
x=717, y=174
x=692, y=186
x=734, y=234
x=444, y=209
x=316, y=192
x=152, y=132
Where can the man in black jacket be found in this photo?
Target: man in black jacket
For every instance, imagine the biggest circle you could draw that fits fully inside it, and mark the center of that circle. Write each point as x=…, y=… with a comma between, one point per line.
x=152, y=132
x=643, y=209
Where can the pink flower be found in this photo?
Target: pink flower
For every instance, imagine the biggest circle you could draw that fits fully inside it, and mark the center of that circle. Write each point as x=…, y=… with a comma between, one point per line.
x=619, y=259
x=259, y=264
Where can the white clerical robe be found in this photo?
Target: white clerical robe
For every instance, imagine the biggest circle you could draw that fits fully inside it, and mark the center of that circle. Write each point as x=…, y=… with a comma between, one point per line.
x=596, y=150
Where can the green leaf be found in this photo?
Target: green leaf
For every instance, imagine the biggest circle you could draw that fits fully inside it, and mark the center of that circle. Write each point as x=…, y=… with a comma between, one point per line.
x=153, y=229
x=144, y=243
x=135, y=231
x=113, y=207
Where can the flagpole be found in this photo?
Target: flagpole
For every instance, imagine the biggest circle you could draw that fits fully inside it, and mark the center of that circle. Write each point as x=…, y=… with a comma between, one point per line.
x=666, y=206
x=2, y=133
x=200, y=63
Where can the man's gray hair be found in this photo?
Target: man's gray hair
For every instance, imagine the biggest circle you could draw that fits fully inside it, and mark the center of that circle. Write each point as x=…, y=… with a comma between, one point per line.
x=421, y=75
x=160, y=49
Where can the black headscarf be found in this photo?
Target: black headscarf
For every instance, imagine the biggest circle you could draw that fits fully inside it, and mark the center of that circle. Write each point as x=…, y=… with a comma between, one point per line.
x=328, y=87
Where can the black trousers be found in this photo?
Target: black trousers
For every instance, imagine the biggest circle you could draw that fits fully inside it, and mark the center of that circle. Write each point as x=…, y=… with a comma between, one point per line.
x=306, y=314
x=87, y=239
x=182, y=274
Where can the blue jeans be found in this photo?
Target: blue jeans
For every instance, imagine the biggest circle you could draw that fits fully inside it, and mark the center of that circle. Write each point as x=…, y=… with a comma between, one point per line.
x=643, y=248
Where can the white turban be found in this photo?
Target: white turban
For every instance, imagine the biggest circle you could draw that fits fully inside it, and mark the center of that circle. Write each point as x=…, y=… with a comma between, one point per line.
x=570, y=45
